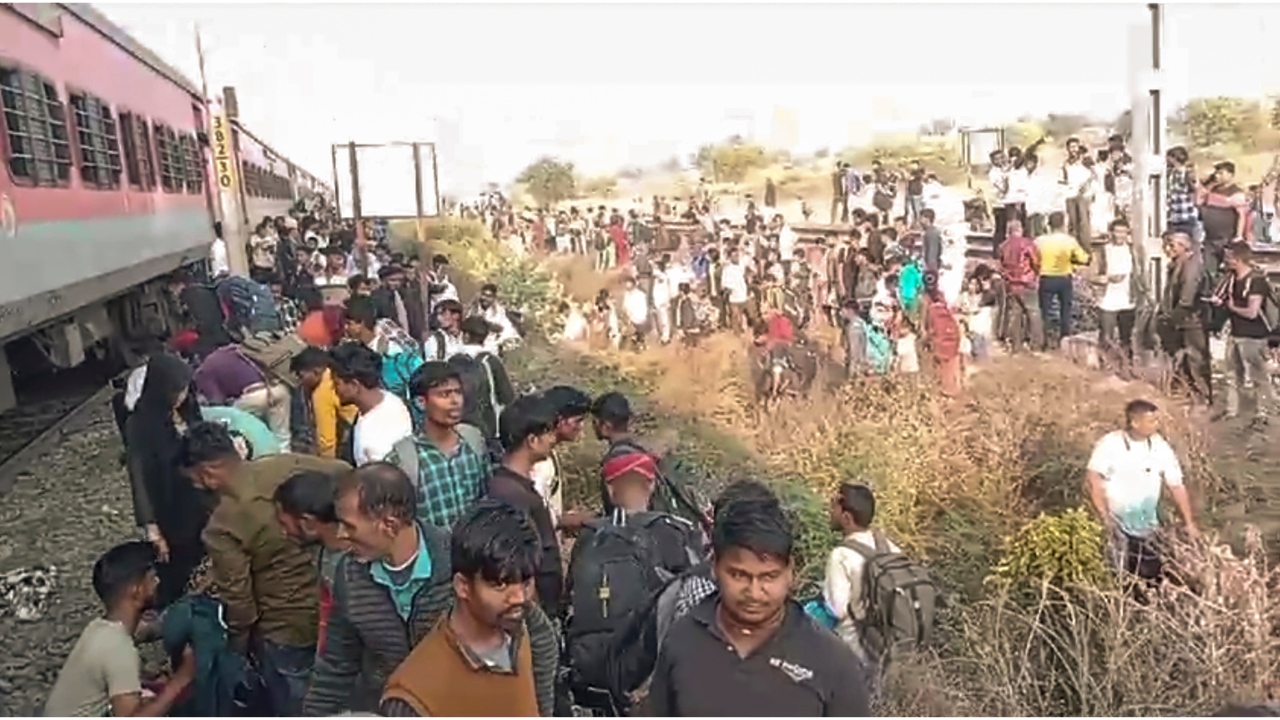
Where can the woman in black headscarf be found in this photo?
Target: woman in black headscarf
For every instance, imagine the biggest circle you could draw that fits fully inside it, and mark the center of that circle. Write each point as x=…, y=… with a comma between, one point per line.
x=166, y=505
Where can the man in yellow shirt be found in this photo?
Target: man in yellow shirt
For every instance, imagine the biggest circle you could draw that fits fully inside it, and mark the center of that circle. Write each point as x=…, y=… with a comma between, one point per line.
x=1059, y=256
x=328, y=416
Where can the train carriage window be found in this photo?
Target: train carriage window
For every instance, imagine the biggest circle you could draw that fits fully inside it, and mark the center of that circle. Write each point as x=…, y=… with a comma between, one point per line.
x=173, y=166
x=35, y=123
x=251, y=179
x=138, y=159
x=194, y=164
x=99, y=143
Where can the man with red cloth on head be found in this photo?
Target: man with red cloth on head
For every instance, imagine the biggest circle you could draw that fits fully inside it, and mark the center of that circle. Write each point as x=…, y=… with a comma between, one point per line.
x=611, y=418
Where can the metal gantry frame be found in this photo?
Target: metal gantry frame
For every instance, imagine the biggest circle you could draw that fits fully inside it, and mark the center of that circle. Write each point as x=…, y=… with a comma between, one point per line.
x=354, y=167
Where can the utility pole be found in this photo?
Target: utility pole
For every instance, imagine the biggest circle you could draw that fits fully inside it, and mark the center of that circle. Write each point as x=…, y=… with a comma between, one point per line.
x=1146, y=83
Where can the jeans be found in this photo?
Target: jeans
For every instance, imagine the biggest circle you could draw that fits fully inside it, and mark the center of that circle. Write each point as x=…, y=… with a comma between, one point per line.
x=1185, y=339
x=1036, y=225
x=1134, y=555
x=1113, y=323
x=270, y=404
x=1080, y=220
x=286, y=670
x=1022, y=313
x=840, y=208
x=1247, y=363
x=981, y=347
x=915, y=203
x=1063, y=290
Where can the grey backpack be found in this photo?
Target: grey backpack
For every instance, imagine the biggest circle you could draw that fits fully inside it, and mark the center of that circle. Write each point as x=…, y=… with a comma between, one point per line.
x=901, y=599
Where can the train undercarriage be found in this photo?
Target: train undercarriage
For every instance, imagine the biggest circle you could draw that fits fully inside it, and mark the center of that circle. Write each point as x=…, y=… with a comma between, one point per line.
x=108, y=329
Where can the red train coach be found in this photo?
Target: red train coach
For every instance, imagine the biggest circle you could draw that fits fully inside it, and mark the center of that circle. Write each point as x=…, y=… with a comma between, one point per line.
x=104, y=188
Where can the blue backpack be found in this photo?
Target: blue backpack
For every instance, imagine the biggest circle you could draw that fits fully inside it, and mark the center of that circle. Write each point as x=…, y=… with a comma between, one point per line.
x=247, y=306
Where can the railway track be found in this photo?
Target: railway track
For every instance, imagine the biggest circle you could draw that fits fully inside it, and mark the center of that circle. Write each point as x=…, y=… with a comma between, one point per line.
x=45, y=413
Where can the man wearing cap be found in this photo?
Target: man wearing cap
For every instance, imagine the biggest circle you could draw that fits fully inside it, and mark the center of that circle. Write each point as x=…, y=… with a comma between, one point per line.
x=611, y=418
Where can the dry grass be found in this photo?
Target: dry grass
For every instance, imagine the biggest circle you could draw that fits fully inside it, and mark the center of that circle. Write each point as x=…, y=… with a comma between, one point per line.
x=955, y=480
x=1188, y=650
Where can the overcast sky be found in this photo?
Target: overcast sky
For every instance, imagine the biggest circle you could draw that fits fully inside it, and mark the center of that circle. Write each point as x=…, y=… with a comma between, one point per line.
x=612, y=85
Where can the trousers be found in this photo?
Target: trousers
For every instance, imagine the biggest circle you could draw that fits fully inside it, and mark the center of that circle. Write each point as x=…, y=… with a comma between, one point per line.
x=270, y=404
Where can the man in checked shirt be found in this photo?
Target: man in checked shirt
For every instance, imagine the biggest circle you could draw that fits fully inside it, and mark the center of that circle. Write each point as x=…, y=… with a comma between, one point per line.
x=1180, y=181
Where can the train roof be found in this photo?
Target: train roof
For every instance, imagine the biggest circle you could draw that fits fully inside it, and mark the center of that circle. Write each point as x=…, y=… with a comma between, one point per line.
x=91, y=16
x=95, y=19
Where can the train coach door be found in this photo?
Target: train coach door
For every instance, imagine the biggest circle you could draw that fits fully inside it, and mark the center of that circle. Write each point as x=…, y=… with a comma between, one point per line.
x=202, y=146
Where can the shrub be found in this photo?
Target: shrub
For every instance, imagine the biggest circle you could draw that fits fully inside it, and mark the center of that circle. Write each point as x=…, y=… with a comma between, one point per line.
x=522, y=284
x=1065, y=551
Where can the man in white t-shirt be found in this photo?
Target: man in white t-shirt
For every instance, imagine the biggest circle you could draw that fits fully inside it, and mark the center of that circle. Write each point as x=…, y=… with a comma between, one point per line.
x=852, y=511
x=262, y=253
x=384, y=419
x=635, y=306
x=1117, y=308
x=733, y=278
x=663, y=293
x=1126, y=472
x=219, y=264
x=103, y=674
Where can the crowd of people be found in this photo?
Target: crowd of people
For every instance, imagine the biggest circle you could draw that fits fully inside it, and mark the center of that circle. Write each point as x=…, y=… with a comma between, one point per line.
x=754, y=277
x=346, y=505
x=340, y=512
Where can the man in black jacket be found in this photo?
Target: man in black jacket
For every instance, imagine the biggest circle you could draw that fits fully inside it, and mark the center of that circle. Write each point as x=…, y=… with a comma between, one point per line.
x=393, y=303
x=1182, y=308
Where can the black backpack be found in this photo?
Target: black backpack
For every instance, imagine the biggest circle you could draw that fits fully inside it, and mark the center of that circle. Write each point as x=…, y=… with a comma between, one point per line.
x=477, y=393
x=615, y=572
x=901, y=599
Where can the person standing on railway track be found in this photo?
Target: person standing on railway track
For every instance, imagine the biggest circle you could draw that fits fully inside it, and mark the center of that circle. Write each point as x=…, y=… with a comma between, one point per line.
x=1223, y=212
x=481, y=658
x=1245, y=297
x=1117, y=310
x=389, y=589
x=1060, y=254
x=330, y=421
x=1019, y=259
x=1181, y=307
x=262, y=253
x=735, y=277
x=778, y=661
x=168, y=509
x=265, y=582
x=839, y=195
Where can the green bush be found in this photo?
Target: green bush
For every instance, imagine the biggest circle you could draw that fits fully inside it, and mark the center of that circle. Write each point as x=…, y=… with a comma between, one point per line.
x=1064, y=551
x=522, y=284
